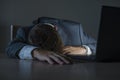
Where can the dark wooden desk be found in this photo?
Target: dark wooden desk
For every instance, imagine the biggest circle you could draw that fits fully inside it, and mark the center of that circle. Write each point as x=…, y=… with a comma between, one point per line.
x=14, y=69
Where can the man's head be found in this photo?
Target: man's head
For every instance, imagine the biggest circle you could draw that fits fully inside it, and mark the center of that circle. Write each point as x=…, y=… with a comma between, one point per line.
x=46, y=37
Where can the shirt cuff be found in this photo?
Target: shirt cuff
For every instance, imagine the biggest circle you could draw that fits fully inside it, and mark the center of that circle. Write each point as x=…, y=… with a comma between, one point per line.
x=88, y=50
x=25, y=52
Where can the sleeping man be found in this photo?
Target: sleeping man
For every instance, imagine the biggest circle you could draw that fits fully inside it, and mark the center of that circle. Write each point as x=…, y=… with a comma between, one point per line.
x=49, y=40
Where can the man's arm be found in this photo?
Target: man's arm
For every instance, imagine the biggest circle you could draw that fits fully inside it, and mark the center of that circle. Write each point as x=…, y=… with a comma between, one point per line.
x=87, y=47
x=20, y=48
x=16, y=44
x=77, y=50
x=87, y=40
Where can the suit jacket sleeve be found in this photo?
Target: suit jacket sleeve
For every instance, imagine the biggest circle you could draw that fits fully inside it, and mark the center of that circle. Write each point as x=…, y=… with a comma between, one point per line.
x=87, y=40
x=17, y=44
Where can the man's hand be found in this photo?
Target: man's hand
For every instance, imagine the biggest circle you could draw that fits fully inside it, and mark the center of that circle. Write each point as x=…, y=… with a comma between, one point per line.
x=49, y=56
x=70, y=50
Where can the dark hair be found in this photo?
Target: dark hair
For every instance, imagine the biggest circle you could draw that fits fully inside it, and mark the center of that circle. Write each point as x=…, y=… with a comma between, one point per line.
x=45, y=37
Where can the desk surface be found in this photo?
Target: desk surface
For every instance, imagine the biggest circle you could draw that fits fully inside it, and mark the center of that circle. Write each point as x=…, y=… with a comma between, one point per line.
x=15, y=69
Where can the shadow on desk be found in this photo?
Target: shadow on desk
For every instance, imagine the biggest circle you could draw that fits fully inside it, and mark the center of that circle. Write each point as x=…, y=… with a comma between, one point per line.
x=15, y=69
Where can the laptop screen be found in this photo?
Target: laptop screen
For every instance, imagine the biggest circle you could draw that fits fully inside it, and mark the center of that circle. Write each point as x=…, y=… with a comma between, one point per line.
x=108, y=44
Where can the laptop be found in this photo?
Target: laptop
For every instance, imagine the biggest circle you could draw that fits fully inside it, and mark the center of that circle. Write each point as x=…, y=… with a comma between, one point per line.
x=108, y=42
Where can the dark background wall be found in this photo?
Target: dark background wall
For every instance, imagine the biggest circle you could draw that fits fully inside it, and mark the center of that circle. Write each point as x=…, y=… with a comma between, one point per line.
x=23, y=12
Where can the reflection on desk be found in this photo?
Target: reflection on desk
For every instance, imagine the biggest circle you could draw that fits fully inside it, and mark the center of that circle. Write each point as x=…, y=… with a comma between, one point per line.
x=15, y=69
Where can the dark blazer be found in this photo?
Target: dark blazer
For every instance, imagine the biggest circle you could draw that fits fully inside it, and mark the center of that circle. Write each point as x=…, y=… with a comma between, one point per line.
x=71, y=33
